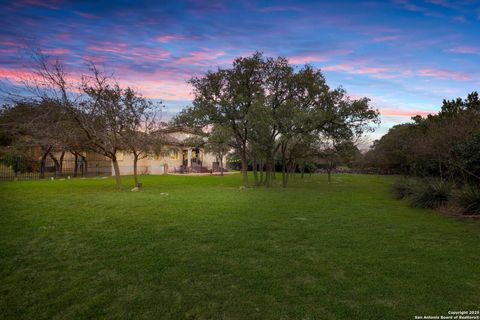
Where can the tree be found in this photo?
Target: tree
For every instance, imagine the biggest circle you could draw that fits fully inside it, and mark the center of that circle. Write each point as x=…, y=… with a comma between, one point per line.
x=219, y=142
x=105, y=116
x=269, y=108
x=145, y=137
x=42, y=124
x=226, y=98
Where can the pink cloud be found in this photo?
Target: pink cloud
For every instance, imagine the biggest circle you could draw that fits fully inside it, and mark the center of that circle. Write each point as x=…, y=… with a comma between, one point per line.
x=50, y=4
x=15, y=74
x=97, y=59
x=306, y=59
x=385, y=38
x=56, y=51
x=465, y=50
x=86, y=15
x=110, y=47
x=124, y=50
x=65, y=36
x=9, y=44
x=169, y=37
x=199, y=57
x=396, y=112
x=443, y=74
x=149, y=54
x=407, y=5
x=353, y=68
x=8, y=50
x=322, y=57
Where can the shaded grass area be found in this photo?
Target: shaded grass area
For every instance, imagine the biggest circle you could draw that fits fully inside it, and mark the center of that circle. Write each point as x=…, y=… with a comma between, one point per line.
x=211, y=250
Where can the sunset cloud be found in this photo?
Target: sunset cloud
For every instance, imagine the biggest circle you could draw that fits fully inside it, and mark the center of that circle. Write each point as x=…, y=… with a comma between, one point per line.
x=465, y=50
x=200, y=57
x=169, y=37
x=444, y=74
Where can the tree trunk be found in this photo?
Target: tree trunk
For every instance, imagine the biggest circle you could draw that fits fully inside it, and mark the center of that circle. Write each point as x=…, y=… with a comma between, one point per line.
x=221, y=165
x=284, y=166
x=62, y=156
x=43, y=162
x=118, y=178
x=284, y=173
x=244, y=165
x=260, y=169
x=255, y=171
x=267, y=173
x=56, y=163
x=75, y=169
x=303, y=170
x=135, y=162
x=293, y=169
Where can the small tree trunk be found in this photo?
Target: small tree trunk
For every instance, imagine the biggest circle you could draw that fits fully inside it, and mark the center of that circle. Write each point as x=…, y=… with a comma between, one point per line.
x=284, y=174
x=42, y=167
x=135, y=162
x=56, y=163
x=221, y=165
x=75, y=169
x=303, y=170
x=60, y=163
x=284, y=166
x=267, y=173
x=260, y=169
x=118, y=178
x=255, y=171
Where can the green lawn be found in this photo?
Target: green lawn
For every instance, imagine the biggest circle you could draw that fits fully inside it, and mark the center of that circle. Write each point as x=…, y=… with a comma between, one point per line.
x=211, y=250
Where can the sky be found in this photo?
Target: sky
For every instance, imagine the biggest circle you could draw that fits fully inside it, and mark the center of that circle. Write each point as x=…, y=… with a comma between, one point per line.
x=405, y=55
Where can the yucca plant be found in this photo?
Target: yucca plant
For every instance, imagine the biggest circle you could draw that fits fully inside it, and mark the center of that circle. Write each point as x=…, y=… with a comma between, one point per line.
x=468, y=198
x=430, y=194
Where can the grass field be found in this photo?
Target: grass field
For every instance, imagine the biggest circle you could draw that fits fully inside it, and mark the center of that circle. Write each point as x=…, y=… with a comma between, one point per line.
x=207, y=249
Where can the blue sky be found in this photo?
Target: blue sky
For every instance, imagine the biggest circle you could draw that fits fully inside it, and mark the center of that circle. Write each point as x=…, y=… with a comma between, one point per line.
x=405, y=55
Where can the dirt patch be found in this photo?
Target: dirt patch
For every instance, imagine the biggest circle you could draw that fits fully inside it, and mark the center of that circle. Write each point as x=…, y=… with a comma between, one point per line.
x=457, y=212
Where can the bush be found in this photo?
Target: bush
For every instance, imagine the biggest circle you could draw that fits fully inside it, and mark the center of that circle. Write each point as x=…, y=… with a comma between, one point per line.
x=430, y=194
x=468, y=198
x=403, y=187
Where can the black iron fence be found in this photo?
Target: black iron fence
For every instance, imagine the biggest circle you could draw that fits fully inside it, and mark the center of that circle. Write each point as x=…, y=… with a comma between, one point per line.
x=18, y=168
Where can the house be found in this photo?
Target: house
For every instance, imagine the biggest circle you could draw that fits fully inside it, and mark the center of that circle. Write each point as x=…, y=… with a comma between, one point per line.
x=176, y=157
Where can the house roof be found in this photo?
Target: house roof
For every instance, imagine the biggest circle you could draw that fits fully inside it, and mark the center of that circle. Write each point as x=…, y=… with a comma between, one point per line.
x=180, y=129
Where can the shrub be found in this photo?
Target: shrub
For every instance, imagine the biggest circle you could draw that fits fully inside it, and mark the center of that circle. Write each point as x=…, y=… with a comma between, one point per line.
x=468, y=198
x=430, y=194
x=403, y=187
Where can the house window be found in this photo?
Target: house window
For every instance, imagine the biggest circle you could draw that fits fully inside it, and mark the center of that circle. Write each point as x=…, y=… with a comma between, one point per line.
x=173, y=154
x=120, y=156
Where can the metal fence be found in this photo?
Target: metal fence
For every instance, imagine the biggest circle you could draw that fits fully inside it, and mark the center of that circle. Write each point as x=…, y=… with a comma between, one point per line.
x=17, y=168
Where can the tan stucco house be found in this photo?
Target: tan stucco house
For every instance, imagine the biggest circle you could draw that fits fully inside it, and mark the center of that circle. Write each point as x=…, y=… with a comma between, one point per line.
x=176, y=157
